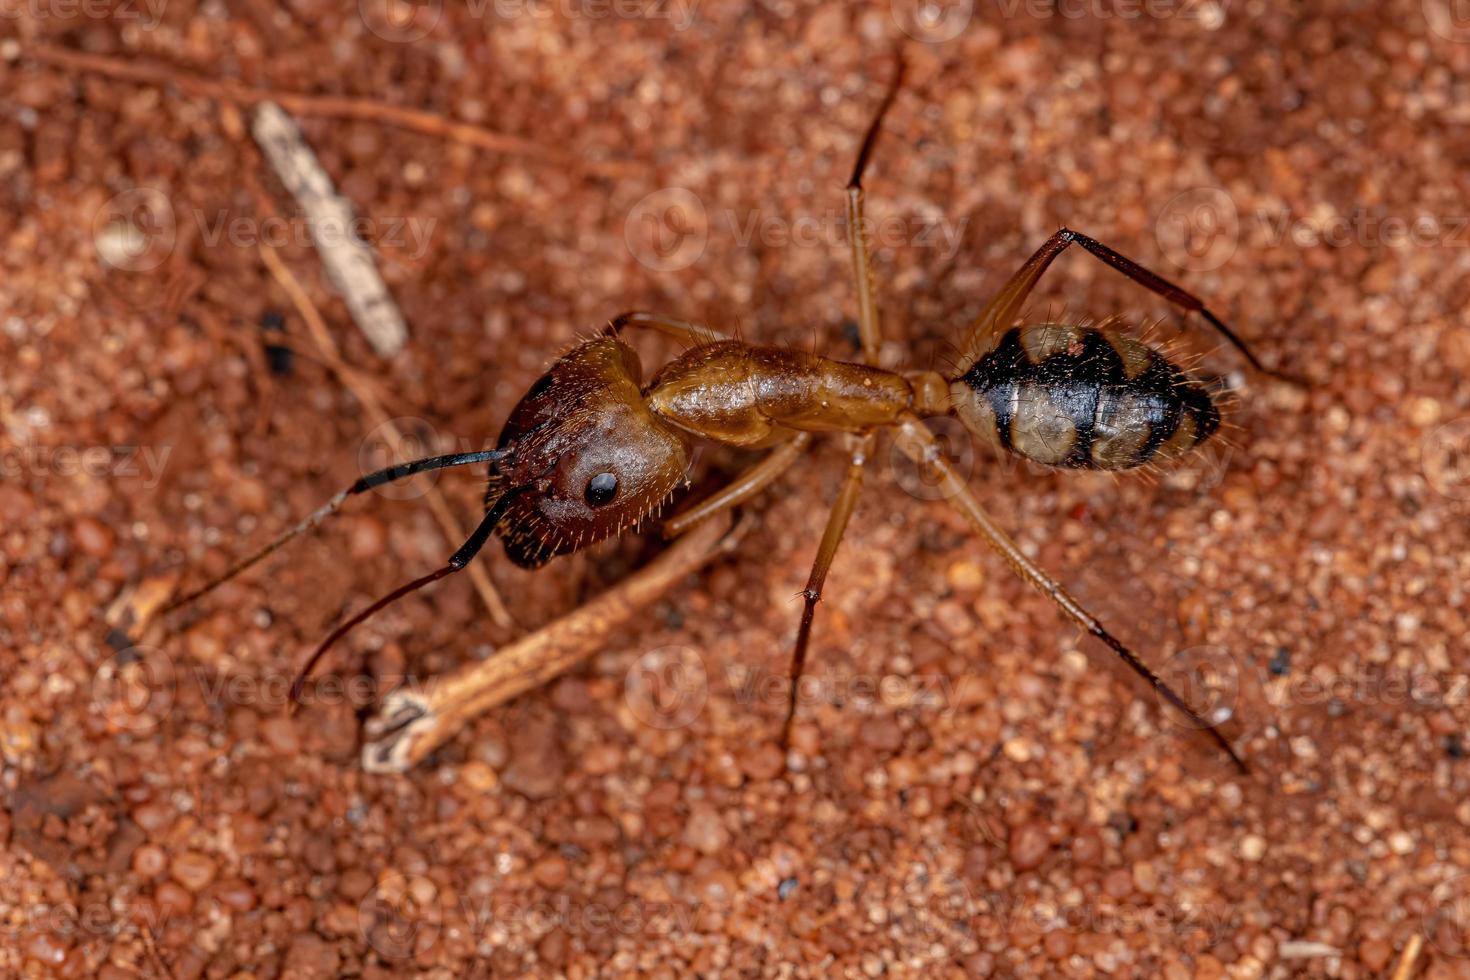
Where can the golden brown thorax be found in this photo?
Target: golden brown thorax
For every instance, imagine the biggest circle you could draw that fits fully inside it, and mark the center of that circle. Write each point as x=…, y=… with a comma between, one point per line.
x=756, y=396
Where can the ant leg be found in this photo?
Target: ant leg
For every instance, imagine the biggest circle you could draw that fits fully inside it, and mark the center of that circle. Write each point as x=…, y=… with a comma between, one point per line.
x=919, y=444
x=693, y=334
x=398, y=471
x=745, y=486
x=457, y=561
x=869, y=329
x=1003, y=309
x=842, y=509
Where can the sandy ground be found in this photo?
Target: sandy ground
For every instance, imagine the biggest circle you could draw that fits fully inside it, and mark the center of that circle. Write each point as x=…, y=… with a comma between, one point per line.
x=975, y=788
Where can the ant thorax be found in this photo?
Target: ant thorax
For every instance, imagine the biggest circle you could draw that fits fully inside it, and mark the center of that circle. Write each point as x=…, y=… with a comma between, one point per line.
x=745, y=395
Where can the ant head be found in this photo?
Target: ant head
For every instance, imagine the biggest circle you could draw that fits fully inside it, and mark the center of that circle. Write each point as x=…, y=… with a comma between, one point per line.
x=587, y=457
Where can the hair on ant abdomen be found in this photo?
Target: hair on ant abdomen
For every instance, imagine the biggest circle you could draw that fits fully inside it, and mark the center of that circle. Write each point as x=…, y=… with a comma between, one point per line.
x=590, y=450
x=1083, y=398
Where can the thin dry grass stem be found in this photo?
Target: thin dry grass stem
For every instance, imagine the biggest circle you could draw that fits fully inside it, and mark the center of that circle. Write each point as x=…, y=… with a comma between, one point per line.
x=329, y=106
x=350, y=379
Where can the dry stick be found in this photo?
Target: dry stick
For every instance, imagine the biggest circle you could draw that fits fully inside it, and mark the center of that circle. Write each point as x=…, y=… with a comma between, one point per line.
x=412, y=722
x=333, y=357
x=330, y=216
x=1405, y=968
x=331, y=106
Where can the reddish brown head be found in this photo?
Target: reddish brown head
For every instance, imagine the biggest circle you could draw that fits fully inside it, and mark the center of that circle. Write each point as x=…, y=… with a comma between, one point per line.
x=588, y=458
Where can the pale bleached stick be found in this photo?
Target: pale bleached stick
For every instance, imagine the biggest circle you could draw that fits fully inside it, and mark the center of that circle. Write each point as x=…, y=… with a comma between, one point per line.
x=413, y=721
x=347, y=259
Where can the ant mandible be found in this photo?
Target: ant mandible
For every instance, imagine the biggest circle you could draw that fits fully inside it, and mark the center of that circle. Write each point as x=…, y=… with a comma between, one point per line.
x=590, y=451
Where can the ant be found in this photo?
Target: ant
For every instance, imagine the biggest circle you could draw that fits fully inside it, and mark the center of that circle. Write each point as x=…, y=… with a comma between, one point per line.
x=591, y=450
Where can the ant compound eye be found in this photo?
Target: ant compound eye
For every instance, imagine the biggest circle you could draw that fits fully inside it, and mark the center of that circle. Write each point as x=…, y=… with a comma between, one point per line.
x=601, y=489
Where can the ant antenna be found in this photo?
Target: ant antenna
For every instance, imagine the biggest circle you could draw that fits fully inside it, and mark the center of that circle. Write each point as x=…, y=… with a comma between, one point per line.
x=457, y=561
x=390, y=474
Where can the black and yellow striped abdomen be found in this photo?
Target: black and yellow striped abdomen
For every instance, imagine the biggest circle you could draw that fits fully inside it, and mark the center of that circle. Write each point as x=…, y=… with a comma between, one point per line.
x=1083, y=398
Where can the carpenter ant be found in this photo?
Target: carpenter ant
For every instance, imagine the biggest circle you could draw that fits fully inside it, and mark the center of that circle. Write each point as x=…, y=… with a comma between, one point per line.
x=591, y=450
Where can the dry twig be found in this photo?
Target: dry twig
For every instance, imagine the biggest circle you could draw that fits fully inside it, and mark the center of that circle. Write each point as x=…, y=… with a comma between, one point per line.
x=300, y=104
x=330, y=216
x=412, y=722
x=1409, y=958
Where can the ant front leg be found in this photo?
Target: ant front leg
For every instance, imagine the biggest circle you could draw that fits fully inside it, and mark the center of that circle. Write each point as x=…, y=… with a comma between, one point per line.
x=842, y=509
x=919, y=444
x=1002, y=311
x=745, y=486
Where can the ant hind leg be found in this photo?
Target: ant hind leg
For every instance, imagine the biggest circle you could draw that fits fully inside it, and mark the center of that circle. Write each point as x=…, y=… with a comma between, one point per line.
x=842, y=509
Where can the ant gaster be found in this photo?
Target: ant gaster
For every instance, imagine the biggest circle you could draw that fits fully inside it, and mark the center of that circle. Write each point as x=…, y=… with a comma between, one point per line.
x=591, y=450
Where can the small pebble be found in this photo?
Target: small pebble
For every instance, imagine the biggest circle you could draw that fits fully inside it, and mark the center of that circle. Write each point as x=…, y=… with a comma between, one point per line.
x=93, y=537
x=1028, y=846
x=193, y=870
x=705, y=831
